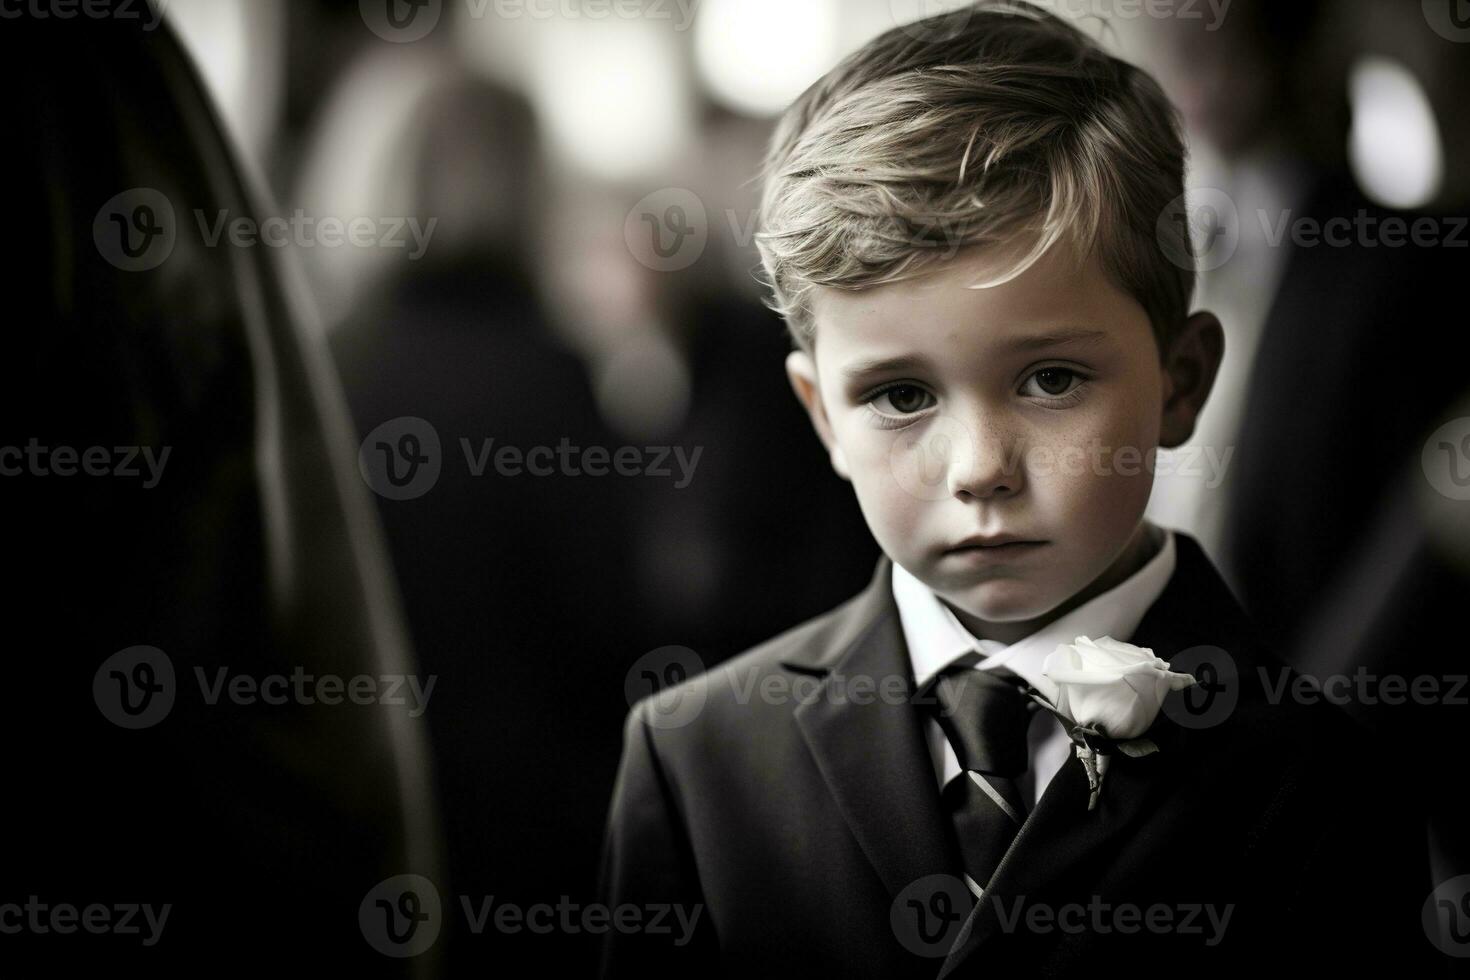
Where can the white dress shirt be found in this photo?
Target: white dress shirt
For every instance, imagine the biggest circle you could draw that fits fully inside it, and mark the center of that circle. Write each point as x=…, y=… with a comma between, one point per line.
x=935, y=638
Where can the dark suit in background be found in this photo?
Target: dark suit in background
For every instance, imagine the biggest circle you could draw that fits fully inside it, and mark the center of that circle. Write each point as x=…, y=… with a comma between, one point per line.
x=1327, y=544
x=511, y=585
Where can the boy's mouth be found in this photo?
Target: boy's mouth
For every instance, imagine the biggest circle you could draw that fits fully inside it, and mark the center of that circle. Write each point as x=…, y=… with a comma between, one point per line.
x=983, y=550
x=994, y=542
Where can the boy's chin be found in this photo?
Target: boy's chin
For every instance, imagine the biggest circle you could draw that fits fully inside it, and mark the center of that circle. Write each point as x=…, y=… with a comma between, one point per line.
x=1002, y=600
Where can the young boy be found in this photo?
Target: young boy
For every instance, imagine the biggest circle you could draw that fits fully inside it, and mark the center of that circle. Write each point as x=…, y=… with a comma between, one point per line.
x=973, y=229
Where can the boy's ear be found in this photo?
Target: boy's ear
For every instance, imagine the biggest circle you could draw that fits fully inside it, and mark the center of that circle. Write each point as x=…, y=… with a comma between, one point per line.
x=1190, y=367
x=801, y=371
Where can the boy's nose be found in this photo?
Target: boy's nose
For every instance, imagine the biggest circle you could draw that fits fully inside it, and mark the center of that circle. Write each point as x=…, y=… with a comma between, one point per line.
x=985, y=464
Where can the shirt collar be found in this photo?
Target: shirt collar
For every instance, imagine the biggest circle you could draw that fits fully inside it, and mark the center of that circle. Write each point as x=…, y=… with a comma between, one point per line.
x=935, y=636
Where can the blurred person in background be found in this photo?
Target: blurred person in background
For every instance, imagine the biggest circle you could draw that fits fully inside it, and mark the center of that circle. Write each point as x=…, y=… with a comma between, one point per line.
x=512, y=581
x=1305, y=114
x=681, y=350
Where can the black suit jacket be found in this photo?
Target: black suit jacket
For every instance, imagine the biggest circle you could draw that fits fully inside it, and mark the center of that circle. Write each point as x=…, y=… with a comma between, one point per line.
x=805, y=824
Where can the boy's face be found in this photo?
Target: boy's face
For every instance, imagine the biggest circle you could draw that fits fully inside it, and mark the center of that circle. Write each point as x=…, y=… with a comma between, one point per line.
x=1031, y=409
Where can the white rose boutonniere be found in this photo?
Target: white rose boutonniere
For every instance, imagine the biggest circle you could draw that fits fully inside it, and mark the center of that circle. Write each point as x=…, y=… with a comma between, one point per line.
x=1108, y=694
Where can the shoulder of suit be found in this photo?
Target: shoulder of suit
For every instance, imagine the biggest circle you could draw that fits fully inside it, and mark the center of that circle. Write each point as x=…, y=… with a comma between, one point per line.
x=1279, y=722
x=735, y=682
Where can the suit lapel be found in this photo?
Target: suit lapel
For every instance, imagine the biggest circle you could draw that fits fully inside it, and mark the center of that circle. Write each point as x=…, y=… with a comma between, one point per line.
x=1062, y=844
x=869, y=745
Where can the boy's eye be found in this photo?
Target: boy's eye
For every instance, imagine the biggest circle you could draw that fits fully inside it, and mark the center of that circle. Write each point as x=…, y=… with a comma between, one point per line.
x=901, y=400
x=1052, y=382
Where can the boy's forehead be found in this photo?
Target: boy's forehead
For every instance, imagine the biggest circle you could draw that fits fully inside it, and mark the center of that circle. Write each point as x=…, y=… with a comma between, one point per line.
x=1059, y=295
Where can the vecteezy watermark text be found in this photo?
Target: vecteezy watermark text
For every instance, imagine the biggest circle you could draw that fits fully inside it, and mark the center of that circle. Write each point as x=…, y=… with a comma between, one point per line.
x=300, y=687
x=138, y=229
x=571, y=460
x=36, y=459
x=658, y=918
x=1363, y=230
x=1366, y=687
x=150, y=14
x=244, y=231
x=63, y=918
x=406, y=21
x=136, y=688
x=402, y=459
x=403, y=915
x=1103, y=917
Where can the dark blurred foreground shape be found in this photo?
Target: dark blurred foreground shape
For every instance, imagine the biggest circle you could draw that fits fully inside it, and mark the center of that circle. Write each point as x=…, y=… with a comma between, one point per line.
x=263, y=826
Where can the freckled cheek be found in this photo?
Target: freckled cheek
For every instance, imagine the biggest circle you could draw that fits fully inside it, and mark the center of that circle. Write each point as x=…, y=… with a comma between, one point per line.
x=1080, y=475
x=1125, y=480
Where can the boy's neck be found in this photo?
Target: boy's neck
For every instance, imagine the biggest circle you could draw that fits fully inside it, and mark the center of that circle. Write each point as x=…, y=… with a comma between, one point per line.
x=1141, y=547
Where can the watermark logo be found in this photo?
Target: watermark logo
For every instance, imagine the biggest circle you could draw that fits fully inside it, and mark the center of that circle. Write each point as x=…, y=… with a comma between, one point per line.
x=136, y=230
x=1446, y=917
x=1446, y=459
x=661, y=673
x=135, y=688
x=401, y=21
x=667, y=230
x=920, y=459
x=1450, y=19
x=1213, y=696
x=1200, y=229
x=401, y=916
x=401, y=458
x=929, y=915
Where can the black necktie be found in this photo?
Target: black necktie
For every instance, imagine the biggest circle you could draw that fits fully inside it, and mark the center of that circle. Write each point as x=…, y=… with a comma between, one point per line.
x=985, y=715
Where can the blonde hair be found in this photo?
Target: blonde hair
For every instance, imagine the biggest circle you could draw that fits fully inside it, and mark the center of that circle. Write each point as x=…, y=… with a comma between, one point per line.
x=993, y=124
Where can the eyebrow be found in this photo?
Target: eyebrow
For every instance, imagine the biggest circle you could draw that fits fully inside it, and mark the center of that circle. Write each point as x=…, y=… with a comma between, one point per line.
x=1032, y=342
x=1040, y=341
x=882, y=365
